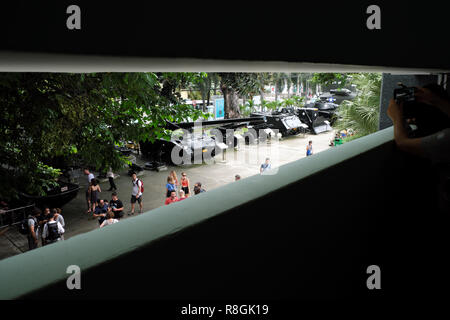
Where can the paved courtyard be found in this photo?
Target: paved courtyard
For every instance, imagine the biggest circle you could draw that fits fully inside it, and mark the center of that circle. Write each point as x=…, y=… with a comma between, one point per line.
x=245, y=162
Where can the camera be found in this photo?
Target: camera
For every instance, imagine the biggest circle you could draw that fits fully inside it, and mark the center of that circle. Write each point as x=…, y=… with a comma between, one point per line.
x=404, y=94
x=421, y=119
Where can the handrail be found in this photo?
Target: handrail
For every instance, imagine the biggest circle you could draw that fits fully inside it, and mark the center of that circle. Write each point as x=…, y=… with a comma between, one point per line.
x=13, y=220
x=18, y=273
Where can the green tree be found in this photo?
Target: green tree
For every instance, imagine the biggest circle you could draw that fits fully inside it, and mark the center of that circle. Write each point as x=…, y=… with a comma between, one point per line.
x=235, y=84
x=341, y=79
x=362, y=113
x=47, y=117
x=247, y=108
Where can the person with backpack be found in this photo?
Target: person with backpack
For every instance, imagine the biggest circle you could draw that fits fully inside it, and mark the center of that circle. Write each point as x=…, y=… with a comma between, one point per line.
x=59, y=218
x=42, y=220
x=136, y=193
x=30, y=227
x=53, y=231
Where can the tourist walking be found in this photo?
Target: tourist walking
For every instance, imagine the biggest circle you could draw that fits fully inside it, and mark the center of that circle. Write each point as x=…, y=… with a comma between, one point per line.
x=110, y=176
x=136, y=193
x=309, y=149
x=94, y=193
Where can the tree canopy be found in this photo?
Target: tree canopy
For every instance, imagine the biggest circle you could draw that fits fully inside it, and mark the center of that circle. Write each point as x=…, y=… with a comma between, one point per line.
x=362, y=114
x=51, y=116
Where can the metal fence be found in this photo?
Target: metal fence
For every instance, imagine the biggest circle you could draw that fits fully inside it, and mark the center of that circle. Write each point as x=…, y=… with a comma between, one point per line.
x=14, y=216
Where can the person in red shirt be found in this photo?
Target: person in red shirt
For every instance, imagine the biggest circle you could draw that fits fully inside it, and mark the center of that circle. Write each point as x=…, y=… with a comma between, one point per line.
x=182, y=196
x=172, y=198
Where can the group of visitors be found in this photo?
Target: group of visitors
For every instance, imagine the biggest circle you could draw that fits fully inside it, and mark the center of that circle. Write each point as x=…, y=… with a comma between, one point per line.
x=108, y=212
x=99, y=207
x=180, y=190
x=47, y=225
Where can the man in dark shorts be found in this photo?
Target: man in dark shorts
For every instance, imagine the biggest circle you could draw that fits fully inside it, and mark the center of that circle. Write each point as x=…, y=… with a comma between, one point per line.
x=136, y=194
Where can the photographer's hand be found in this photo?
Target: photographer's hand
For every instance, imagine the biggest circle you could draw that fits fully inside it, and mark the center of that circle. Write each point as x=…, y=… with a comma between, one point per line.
x=413, y=146
x=426, y=96
x=395, y=111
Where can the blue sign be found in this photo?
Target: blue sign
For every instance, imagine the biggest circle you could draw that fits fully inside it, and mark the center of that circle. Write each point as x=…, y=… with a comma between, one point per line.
x=220, y=108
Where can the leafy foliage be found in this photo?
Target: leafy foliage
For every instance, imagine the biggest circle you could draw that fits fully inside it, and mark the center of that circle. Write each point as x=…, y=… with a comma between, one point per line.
x=362, y=114
x=328, y=78
x=50, y=117
x=294, y=101
x=247, y=108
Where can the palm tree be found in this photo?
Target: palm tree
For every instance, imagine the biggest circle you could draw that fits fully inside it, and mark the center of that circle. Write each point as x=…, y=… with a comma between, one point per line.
x=362, y=114
x=247, y=108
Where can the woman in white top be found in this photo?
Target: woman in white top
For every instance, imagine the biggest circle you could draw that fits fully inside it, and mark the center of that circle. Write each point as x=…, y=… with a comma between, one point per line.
x=109, y=219
x=110, y=176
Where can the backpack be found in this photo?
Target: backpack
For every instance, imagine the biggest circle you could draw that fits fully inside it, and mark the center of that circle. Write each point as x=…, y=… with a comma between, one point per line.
x=142, y=184
x=53, y=232
x=23, y=226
